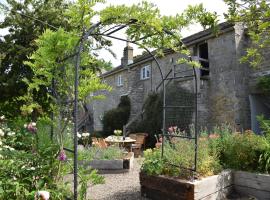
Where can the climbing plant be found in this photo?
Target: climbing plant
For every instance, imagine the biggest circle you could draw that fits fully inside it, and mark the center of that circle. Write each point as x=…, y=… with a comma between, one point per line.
x=255, y=16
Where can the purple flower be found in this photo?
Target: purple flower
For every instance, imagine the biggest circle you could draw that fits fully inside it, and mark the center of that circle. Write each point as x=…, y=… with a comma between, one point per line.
x=62, y=155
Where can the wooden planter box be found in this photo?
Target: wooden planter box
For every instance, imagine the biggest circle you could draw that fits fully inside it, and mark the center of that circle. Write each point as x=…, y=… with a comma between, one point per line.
x=161, y=187
x=252, y=184
x=210, y=188
x=117, y=164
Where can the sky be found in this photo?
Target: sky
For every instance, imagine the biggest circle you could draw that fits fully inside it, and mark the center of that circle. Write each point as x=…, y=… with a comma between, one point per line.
x=167, y=7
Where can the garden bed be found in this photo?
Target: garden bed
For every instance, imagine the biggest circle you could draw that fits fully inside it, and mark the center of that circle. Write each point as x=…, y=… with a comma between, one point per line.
x=252, y=184
x=213, y=187
x=114, y=164
x=162, y=187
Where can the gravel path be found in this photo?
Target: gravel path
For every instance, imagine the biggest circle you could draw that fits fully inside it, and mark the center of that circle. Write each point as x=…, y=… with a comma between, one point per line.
x=119, y=186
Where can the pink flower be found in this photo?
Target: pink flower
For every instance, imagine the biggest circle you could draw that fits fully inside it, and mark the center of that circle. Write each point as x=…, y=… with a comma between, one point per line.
x=214, y=136
x=174, y=128
x=170, y=129
x=62, y=155
x=31, y=127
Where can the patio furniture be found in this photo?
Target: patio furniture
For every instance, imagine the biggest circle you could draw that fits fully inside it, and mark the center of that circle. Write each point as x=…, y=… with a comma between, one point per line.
x=95, y=142
x=118, y=140
x=102, y=143
x=140, y=142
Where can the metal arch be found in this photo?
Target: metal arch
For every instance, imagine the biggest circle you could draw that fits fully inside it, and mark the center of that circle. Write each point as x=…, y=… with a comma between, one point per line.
x=76, y=82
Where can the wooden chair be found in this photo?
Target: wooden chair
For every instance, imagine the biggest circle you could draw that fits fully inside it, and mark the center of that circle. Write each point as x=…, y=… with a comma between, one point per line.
x=133, y=136
x=141, y=138
x=95, y=142
x=102, y=143
x=140, y=142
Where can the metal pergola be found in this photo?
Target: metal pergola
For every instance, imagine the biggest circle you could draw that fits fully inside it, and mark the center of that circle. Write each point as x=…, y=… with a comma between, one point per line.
x=91, y=32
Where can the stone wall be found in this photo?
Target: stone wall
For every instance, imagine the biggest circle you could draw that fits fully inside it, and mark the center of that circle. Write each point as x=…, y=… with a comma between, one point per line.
x=222, y=97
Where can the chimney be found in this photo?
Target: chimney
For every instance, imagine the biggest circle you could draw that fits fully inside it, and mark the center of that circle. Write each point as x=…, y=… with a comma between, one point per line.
x=127, y=56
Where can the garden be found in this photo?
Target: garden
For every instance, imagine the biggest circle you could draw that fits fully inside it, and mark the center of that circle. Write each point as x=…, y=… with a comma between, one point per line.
x=49, y=73
x=224, y=158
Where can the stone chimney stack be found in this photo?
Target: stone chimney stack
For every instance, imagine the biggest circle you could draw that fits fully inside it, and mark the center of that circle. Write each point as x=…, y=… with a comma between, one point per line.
x=127, y=56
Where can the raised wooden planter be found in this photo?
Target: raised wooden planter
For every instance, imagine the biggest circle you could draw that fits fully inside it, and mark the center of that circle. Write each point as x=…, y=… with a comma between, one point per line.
x=117, y=164
x=252, y=184
x=210, y=188
x=161, y=187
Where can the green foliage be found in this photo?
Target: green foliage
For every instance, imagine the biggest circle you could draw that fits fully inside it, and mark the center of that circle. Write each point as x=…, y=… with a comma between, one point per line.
x=221, y=149
x=147, y=20
x=50, y=65
x=242, y=151
x=255, y=16
x=152, y=164
x=109, y=153
x=116, y=118
x=29, y=163
x=208, y=164
x=247, y=151
x=19, y=41
x=151, y=121
x=265, y=156
x=264, y=84
x=26, y=166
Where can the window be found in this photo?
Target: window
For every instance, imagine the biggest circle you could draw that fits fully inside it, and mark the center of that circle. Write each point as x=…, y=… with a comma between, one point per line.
x=145, y=72
x=202, y=52
x=119, y=80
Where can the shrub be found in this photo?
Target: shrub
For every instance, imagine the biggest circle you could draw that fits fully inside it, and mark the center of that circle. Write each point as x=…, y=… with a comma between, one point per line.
x=30, y=161
x=116, y=118
x=264, y=161
x=240, y=151
x=181, y=154
x=151, y=122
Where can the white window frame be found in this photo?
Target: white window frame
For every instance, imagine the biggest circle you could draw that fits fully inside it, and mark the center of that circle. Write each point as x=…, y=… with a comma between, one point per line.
x=145, y=72
x=119, y=80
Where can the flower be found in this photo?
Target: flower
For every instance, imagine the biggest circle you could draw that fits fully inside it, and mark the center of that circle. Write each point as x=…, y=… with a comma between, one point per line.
x=117, y=132
x=1, y=133
x=8, y=147
x=43, y=195
x=85, y=134
x=170, y=129
x=214, y=136
x=79, y=135
x=31, y=127
x=11, y=133
x=2, y=117
x=62, y=155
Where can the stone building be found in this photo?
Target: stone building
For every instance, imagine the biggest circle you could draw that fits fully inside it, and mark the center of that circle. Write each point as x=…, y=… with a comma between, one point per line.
x=227, y=89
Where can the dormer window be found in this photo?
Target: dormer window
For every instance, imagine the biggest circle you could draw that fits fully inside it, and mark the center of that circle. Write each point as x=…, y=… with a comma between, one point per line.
x=145, y=72
x=119, y=80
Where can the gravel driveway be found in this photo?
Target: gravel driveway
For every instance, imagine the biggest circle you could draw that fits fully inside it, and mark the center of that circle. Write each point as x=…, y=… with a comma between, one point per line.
x=119, y=186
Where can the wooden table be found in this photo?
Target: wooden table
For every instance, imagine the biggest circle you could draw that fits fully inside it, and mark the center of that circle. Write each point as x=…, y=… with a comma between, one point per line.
x=120, y=141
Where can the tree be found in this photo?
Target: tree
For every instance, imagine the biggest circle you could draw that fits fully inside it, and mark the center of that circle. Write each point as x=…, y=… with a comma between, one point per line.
x=18, y=44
